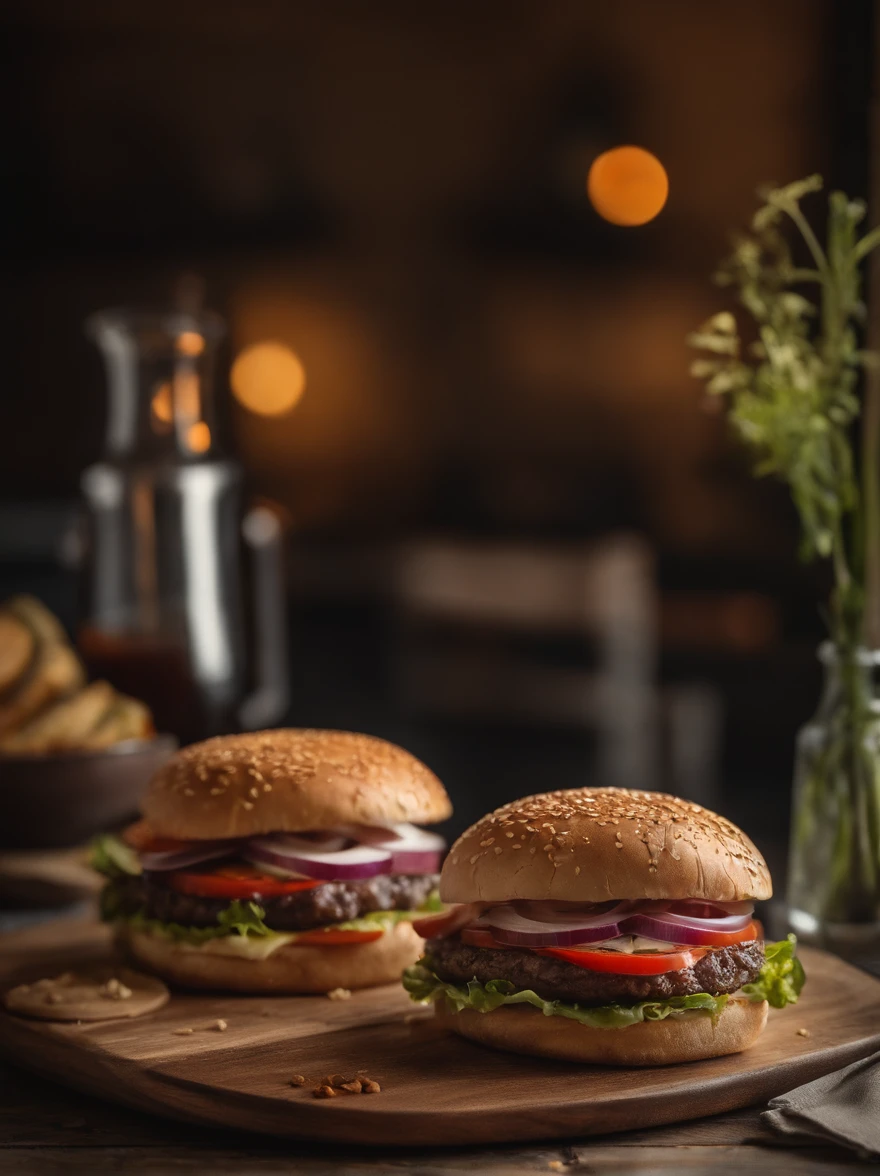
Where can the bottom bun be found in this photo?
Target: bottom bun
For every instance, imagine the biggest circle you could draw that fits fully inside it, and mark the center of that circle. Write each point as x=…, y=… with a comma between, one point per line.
x=290, y=969
x=687, y=1038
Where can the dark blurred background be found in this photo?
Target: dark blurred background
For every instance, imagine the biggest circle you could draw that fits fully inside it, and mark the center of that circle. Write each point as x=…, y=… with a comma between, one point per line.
x=518, y=543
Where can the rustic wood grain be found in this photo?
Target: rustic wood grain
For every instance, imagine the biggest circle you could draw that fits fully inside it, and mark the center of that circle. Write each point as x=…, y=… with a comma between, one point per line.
x=436, y=1089
x=47, y=1128
x=595, y=1160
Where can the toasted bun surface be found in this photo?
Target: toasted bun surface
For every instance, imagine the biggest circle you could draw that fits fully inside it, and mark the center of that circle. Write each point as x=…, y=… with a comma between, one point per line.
x=290, y=969
x=595, y=844
x=287, y=781
x=650, y=1043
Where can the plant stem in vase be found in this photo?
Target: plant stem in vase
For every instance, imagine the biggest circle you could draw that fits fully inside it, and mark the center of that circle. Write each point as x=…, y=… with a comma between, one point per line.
x=793, y=398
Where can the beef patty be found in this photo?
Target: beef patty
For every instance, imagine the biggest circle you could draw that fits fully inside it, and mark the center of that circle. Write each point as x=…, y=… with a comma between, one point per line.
x=724, y=969
x=331, y=902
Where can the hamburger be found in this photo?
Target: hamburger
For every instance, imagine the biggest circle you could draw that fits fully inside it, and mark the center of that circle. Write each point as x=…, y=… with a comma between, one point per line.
x=283, y=861
x=604, y=925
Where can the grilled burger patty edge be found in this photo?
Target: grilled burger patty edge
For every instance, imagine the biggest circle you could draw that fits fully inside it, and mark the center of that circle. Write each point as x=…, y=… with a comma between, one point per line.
x=330, y=902
x=720, y=970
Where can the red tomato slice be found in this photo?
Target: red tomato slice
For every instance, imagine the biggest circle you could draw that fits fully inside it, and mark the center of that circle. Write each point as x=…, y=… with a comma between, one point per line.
x=447, y=922
x=331, y=937
x=480, y=937
x=235, y=882
x=141, y=837
x=638, y=964
x=726, y=938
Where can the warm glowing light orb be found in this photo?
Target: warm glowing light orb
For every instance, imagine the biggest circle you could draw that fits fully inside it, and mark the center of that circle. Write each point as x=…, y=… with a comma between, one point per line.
x=161, y=404
x=198, y=437
x=627, y=185
x=268, y=378
x=190, y=343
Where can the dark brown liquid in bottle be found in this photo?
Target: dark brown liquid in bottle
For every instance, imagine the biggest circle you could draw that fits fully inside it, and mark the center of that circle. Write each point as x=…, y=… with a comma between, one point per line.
x=155, y=670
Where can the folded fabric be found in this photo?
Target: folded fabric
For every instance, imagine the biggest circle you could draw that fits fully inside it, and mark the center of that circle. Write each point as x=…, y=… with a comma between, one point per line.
x=842, y=1108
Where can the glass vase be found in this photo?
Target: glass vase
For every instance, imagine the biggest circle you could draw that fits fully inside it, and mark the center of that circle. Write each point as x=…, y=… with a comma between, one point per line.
x=834, y=862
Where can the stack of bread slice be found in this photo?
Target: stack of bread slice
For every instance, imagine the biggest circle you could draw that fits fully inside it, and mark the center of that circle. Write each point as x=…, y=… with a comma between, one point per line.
x=46, y=704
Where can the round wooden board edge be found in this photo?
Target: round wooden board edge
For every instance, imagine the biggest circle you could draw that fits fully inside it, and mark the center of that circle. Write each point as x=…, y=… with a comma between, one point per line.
x=299, y=1116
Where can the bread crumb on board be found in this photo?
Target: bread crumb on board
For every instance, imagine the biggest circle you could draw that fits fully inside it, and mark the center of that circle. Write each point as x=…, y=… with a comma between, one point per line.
x=340, y=994
x=332, y=1085
x=219, y=1025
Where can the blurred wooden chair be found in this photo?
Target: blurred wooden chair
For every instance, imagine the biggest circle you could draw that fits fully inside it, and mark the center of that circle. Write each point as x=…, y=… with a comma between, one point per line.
x=483, y=624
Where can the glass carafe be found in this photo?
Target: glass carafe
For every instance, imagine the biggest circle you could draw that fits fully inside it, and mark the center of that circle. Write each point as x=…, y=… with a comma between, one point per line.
x=169, y=541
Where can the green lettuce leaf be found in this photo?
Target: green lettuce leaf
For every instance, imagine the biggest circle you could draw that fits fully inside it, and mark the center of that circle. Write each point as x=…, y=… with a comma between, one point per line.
x=113, y=858
x=243, y=918
x=239, y=918
x=378, y=920
x=175, y=931
x=782, y=977
x=422, y=985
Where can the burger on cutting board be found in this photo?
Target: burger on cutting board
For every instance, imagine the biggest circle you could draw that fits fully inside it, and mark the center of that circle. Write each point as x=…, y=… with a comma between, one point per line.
x=281, y=861
x=604, y=925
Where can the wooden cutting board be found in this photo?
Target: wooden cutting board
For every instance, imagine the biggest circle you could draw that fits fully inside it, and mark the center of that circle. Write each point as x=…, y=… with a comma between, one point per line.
x=436, y=1089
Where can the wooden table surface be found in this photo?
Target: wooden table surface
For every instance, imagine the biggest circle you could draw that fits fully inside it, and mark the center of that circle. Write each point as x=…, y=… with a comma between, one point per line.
x=45, y=1128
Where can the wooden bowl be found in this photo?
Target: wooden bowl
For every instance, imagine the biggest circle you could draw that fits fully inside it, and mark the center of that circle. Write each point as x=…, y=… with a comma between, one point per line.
x=47, y=801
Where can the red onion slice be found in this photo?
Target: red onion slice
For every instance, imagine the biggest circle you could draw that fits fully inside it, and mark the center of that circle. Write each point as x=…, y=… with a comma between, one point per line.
x=545, y=924
x=678, y=929
x=719, y=909
x=178, y=859
x=725, y=924
x=301, y=857
x=511, y=927
x=413, y=850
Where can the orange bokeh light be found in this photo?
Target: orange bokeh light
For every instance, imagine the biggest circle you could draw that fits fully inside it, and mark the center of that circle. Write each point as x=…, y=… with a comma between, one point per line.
x=190, y=343
x=627, y=185
x=268, y=378
x=161, y=404
x=198, y=437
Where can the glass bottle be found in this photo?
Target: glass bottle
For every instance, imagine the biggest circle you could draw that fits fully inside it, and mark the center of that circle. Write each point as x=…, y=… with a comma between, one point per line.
x=166, y=535
x=834, y=861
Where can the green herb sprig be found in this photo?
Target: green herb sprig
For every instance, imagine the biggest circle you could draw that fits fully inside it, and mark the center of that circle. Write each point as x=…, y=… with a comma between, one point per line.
x=798, y=395
x=792, y=393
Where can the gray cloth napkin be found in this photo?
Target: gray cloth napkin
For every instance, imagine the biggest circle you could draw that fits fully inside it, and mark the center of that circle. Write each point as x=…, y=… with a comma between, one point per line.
x=842, y=1108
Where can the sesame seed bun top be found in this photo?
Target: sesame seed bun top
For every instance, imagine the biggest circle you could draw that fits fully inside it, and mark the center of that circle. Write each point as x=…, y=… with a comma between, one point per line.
x=595, y=844
x=289, y=781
